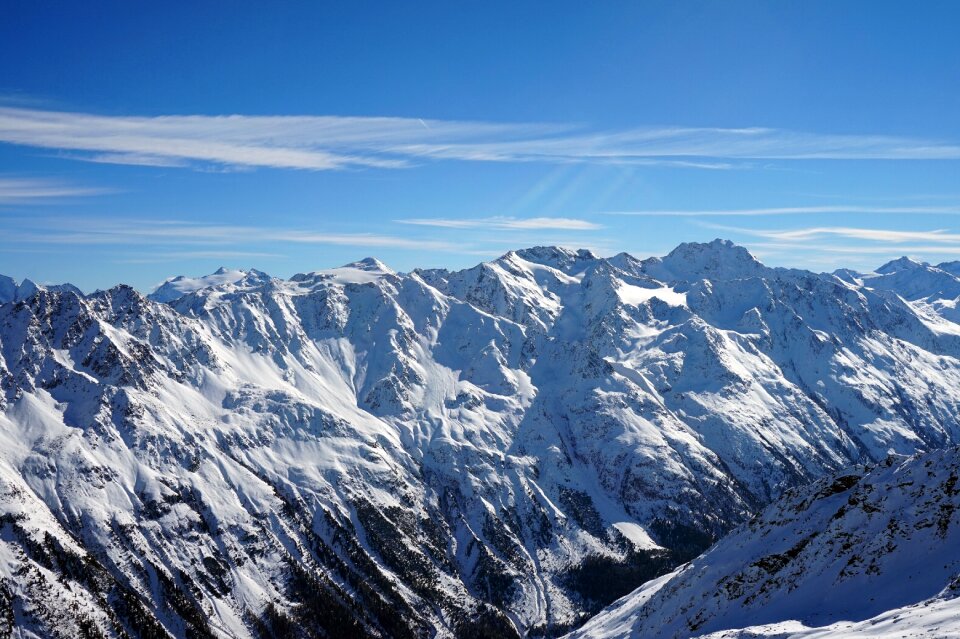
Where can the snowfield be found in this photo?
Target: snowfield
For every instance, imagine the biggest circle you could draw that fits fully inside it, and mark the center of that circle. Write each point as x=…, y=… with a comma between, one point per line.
x=499, y=451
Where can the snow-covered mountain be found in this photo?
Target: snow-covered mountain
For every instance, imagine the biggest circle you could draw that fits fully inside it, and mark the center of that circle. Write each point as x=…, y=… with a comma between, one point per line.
x=10, y=291
x=862, y=554
x=177, y=287
x=497, y=451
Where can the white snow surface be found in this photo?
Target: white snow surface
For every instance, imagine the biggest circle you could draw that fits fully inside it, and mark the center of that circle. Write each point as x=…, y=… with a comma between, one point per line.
x=636, y=295
x=181, y=285
x=864, y=554
x=935, y=618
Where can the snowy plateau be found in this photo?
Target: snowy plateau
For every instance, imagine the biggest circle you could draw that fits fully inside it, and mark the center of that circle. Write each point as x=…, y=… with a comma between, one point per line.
x=551, y=442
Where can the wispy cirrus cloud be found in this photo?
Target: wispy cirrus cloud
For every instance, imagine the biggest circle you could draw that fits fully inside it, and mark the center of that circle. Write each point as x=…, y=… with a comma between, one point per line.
x=145, y=241
x=791, y=210
x=21, y=190
x=851, y=247
x=506, y=223
x=919, y=250
x=669, y=143
x=870, y=234
x=291, y=142
x=206, y=238
x=851, y=254
x=176, y=256
x=336, y=142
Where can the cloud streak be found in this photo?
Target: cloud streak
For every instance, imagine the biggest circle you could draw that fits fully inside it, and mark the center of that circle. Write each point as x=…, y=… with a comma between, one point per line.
x=321, y=143
x=507, y=223
x=886, y=250
x=793, y=210
x=162, y=233
x=18, y=190
x=176, y=256
x=823, y=245
x=873, y=235
x=146, y=241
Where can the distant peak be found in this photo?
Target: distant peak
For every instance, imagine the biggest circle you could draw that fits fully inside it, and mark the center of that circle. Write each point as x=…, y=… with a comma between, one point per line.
x=8, y=289
x=718, y=246
x=27, y=288
x=699, y=260
x=848, y=275
x=950, y=267
x=11, y=292
x=555, y=252
x=558, y=257
x=370, y=264
x=176, y=287
x=901, y=264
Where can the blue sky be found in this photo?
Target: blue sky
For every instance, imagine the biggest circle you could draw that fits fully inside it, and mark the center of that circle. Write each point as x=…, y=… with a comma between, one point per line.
x=139, y=142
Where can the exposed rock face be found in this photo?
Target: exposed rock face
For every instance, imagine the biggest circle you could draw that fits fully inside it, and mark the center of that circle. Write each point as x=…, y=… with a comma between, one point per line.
x=496, y=451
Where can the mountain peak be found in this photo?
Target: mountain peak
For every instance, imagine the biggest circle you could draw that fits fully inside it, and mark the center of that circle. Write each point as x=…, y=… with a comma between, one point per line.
x=27, y=288
x=370, y=264
x=8, y=289
x=11, y=292
x=558, y=257
x=901, y=264
x=719, y=259
x=848, y=275
x=176, y=287
x=950, y=267
x=364, y=271
x=717, y=246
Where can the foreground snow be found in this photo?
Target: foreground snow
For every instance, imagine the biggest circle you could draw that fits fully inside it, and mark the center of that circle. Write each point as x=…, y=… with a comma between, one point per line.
x=931, y=619
x=859, y=555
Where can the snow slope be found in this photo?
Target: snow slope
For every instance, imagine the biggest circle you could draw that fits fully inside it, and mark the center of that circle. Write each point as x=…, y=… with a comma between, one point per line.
x=863, y=554
x=496, y=451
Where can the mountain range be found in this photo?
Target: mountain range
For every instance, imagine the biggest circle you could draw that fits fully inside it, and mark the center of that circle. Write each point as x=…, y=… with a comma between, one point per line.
x=500, y=451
